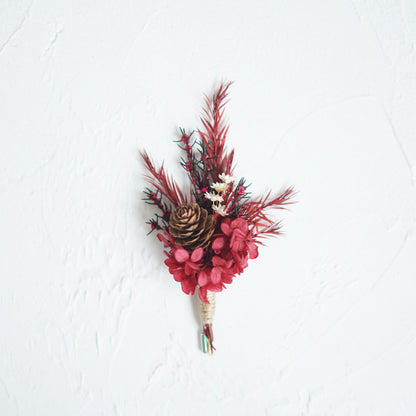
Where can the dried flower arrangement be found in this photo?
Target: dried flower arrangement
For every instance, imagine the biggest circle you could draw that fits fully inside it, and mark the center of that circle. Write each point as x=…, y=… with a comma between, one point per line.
x=210, y=232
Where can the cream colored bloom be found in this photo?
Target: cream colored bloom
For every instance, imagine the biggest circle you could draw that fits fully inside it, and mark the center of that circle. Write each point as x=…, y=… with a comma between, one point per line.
x=226, y=178
x=213, y=197
x=219, y=186
x=220, y=209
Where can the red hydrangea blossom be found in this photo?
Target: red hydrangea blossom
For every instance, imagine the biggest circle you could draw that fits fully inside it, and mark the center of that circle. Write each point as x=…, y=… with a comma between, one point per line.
x=230, y=250
x=235, y=244
x=184, y=267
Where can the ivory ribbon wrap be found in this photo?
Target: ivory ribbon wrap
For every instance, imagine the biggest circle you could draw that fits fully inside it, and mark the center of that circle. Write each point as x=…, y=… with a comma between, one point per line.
x=207, y=317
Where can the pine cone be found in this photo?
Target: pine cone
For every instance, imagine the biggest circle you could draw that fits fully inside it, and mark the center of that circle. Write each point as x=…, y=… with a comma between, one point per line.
x=191, y=226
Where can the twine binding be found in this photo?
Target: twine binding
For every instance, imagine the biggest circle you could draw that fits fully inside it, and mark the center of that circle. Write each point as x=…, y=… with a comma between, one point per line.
x=207, y=317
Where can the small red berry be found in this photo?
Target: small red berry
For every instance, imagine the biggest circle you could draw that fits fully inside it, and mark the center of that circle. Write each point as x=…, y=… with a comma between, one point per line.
x=241, y=190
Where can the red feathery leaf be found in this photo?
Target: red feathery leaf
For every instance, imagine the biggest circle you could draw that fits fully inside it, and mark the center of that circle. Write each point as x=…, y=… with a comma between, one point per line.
x=255, y=208
x=162, y=182
x=213, y=138
x=263, y=231
x=254, y=213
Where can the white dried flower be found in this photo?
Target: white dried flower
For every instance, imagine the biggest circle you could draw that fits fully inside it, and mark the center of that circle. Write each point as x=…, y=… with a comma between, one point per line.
x=213, y=197
x=226, y=178
x=216, y=198
x=220, y=209
x=219, y=186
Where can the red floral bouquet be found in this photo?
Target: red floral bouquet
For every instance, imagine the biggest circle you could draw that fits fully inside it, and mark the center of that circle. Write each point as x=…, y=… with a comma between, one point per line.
x=211, y=231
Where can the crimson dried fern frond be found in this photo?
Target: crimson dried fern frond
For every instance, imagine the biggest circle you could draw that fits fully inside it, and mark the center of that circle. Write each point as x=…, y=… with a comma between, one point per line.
x=262, y=230
x=254, y=209
x=158, y=178
x=213, y=136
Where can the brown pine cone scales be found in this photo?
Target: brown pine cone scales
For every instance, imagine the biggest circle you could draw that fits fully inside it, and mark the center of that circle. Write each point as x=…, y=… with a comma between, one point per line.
x=191, y=226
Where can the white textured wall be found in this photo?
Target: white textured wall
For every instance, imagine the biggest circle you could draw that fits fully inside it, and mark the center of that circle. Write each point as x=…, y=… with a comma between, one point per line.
x=91, y=322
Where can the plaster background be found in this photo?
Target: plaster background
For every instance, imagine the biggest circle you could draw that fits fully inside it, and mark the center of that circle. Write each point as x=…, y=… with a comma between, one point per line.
x=91, y=322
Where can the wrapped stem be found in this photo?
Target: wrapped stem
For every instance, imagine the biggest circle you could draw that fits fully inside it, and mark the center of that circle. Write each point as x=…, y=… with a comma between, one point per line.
x=207, y=317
